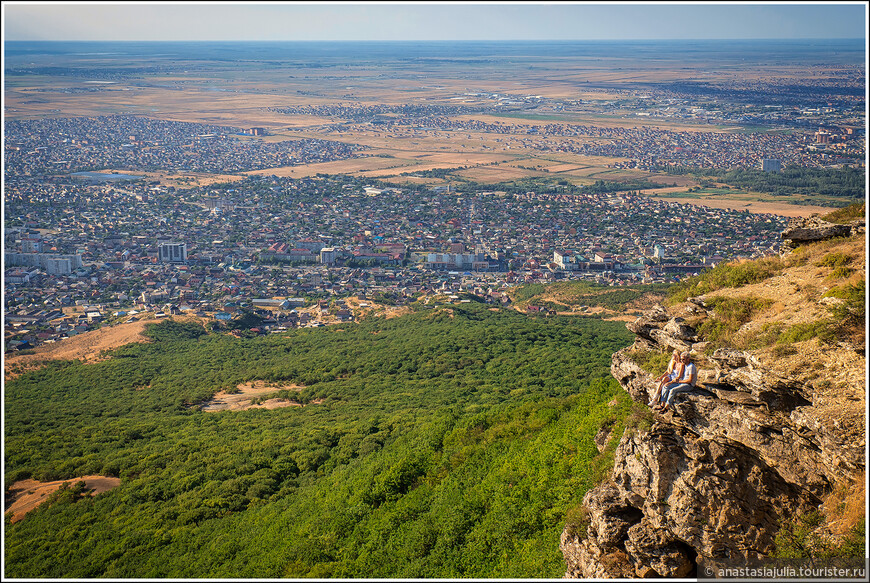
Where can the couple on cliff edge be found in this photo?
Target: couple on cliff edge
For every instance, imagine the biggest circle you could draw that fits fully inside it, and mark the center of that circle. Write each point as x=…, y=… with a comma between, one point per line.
x=679, y=378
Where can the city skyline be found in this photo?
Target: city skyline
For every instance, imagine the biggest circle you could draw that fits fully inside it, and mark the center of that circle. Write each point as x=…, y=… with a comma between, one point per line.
x=329, y=21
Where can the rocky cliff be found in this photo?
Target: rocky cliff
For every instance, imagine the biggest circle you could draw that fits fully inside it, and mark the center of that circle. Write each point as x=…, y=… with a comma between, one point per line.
x=776, y=423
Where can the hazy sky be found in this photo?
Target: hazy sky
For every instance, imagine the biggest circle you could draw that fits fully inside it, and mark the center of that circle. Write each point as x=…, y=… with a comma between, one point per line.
x=430, y=20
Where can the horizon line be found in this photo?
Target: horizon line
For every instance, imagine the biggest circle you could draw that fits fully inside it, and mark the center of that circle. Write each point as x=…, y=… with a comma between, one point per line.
x=459, y=41
x=446, y=40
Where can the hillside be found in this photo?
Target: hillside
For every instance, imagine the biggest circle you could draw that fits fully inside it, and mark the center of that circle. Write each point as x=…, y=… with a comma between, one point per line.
x=766, y=457
x=88, y=347
x=458, y=440
x=448, y=442
x=581, y=297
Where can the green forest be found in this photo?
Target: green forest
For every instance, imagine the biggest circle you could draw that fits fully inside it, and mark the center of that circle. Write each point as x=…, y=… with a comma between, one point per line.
x=831, y=186
x=451, y=442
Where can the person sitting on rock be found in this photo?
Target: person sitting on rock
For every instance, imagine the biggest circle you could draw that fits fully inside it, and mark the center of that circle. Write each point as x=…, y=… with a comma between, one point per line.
x=675, y=369
x=685, y=382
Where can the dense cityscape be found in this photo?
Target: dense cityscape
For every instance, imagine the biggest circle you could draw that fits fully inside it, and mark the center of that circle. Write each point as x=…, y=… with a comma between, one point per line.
x=84, y=247
x=96, y=246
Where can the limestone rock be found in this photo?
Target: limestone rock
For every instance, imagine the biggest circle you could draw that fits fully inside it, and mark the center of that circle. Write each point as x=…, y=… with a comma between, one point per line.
x=658, y=553
x=808, y=229
x=670, y=342
x=603, y=436
x=730, y=358
x=716, y=476
x=678, y=329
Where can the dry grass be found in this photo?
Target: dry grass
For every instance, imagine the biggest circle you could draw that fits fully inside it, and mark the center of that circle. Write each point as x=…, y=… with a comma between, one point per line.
x=187, y=179
x=221, y=95
x=489, y=174
x=87, y=347
x=350, y=166
x=372, y=308
x=845, y=507
x=833, y=370
x=740, y=203
x=247, y=394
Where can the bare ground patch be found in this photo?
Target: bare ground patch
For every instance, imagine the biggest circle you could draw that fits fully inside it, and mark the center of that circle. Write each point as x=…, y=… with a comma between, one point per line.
x=753, y=206
x=364, y=308
x=349, y=166
x=558, y=168
x=250, y=392
x=87, y=347
x=496, y=173
x=27, y=495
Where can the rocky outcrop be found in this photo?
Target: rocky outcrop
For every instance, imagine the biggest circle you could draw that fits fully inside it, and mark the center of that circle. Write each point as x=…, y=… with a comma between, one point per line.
x=714, y=478
x=809, y=229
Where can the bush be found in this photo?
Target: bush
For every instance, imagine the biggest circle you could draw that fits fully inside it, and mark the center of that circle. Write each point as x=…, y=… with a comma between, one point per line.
x=729, y=315
x=724, y=275
x=841, y=272
x=525, y=292
x=835, y=259
x=800, y=538
x=821, y=329
x=851, y=311
x=640, y=418
x=171, y=330
x=577, y=521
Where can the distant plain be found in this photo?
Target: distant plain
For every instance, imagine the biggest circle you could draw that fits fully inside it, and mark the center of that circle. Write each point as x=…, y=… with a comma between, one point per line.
x=245, y=85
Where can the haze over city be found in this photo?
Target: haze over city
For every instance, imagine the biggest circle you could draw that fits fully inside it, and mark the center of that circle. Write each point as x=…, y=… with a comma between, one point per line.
x=431, y=21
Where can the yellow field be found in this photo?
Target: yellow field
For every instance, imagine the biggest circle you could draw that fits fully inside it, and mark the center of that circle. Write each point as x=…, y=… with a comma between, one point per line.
x=487, y=174
x=757, y=207
x=220, y=94
x=572, y=168
x=350, y=166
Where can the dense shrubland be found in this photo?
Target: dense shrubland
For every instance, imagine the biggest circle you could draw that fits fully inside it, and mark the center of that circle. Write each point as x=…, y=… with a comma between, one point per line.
x=446, y=443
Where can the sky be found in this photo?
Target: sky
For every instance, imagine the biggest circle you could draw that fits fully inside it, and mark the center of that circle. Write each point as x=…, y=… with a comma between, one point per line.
x=306, y=21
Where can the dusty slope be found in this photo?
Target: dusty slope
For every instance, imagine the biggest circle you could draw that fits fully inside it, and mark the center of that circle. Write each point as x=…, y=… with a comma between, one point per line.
x=87, y=347
x=28, y=494
x=835, y=371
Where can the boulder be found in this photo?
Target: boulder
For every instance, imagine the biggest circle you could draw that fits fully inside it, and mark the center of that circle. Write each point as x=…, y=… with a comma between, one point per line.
x=809, y=229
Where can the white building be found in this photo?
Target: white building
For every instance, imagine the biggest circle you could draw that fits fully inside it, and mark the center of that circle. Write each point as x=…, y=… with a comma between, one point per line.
x=172, y=252
x=327, y=255
x=31, y=245
x=58, y=266
x=453, y=260
x=52, y=263
x=565, y=260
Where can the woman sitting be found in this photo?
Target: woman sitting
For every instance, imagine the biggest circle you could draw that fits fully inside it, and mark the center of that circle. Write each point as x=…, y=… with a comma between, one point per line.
x=675, y=369
x=685, y=382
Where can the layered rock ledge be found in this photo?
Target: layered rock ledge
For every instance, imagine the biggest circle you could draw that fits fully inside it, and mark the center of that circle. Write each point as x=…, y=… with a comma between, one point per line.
x=801, y=230
x=714, y=478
